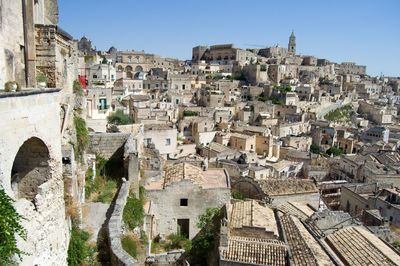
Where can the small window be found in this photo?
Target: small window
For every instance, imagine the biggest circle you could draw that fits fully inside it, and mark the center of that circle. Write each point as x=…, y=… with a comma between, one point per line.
x=167, y=142
x=184, y=202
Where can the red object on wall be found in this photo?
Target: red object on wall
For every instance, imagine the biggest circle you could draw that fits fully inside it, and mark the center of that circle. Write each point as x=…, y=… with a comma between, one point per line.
x=82, y=80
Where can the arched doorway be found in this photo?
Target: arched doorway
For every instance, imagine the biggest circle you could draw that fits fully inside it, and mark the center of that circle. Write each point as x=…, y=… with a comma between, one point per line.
x=30, y=169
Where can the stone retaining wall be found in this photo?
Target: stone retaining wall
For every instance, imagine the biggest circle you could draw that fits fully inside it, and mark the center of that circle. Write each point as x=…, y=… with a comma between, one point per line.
x=118, y=255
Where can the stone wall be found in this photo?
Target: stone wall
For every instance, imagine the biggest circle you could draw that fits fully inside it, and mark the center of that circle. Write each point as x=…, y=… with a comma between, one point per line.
x=12, y=65
x=32, y=118
x=118, y=255
x=166, y=205
x=108, y=144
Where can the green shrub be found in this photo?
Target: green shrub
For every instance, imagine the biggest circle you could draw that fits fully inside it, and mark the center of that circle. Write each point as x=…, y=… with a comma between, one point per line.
x=178, y=241
x=314, y=148
x=82, y=135
x=238, y=195
x=190, y=113
x=203, y=243
x=335, y=151
x=77, y=88
x=119, y=118
x=78, y=249
x=133, y=214
x=129, y=245
x=274, y=99
x=10, y=226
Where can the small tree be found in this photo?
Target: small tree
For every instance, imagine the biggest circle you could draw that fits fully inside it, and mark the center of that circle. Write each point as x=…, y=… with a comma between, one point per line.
x=204, y=241
x=119, y=118
x=133, y=213
x=314, y=148
x=10, y=226
x=335, y=151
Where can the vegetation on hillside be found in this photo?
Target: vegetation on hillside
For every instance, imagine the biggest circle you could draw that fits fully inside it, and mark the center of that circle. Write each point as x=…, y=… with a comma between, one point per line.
x=104, y=187
x=79, y=250
x=119, y=118
x=10, y=227
x=82, y=136
x=190, y=113
x=334, y=151
x=133, y=214
x=204, y=241
x=129, y=245
x=340, y=115
x=77, y=88
x=274, y=99
x=314, y=148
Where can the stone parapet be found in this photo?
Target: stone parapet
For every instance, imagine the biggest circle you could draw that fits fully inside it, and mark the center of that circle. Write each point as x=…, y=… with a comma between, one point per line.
x=118, y=255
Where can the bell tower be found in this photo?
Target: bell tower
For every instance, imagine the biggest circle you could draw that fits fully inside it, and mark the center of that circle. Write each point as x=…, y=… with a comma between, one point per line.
x=292, y=44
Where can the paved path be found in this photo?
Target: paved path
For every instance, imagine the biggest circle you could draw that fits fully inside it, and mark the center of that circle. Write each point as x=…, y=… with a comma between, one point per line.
x=94, y=215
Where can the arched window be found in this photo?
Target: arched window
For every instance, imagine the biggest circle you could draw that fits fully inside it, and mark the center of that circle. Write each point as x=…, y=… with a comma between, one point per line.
x=120, y=68
x=129, y=75
x=128, y=68
x=138, y=68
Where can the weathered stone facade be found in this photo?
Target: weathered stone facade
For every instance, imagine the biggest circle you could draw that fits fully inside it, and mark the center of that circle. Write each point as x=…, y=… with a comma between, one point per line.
x=31, y=159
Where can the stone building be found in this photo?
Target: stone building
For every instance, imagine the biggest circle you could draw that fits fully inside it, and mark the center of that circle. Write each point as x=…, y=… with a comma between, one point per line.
x=184, y=193
x=32, y=43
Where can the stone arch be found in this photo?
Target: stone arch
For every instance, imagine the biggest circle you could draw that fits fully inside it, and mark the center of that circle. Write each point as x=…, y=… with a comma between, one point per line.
x=248, y=188
x=128, y=68
x=138, y=68
x=30, y=168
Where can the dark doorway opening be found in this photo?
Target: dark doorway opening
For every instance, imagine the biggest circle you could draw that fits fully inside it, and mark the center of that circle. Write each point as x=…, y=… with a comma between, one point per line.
x=183, y=227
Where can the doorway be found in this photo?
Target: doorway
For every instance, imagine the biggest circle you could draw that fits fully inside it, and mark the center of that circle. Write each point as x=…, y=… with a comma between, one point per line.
x=183, y=227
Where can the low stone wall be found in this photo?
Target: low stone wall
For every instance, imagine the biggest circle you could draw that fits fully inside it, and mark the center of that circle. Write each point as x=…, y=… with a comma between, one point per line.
x=118, y=255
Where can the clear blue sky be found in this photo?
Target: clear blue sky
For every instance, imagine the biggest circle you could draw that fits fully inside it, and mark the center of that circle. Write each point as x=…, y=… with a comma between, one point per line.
x=366, y=32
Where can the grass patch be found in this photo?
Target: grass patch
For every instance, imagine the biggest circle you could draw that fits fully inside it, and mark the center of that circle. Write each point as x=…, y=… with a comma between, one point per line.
x=129, y=244
x=103, y=188
x=173, y=242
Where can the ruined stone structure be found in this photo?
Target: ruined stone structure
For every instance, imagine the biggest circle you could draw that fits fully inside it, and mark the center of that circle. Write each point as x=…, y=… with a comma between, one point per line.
x=31, y=173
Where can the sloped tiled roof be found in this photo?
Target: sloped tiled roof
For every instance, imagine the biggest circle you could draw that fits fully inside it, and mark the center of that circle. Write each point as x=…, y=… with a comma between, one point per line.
x=255, y=251
x=180, y=171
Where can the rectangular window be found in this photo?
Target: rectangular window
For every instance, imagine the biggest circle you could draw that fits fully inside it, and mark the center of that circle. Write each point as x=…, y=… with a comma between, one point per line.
x=184, y=202
x=167, y=142
x=183, y=86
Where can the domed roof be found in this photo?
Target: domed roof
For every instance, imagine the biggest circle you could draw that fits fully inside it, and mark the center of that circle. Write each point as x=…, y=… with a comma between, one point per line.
x=112, y=49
